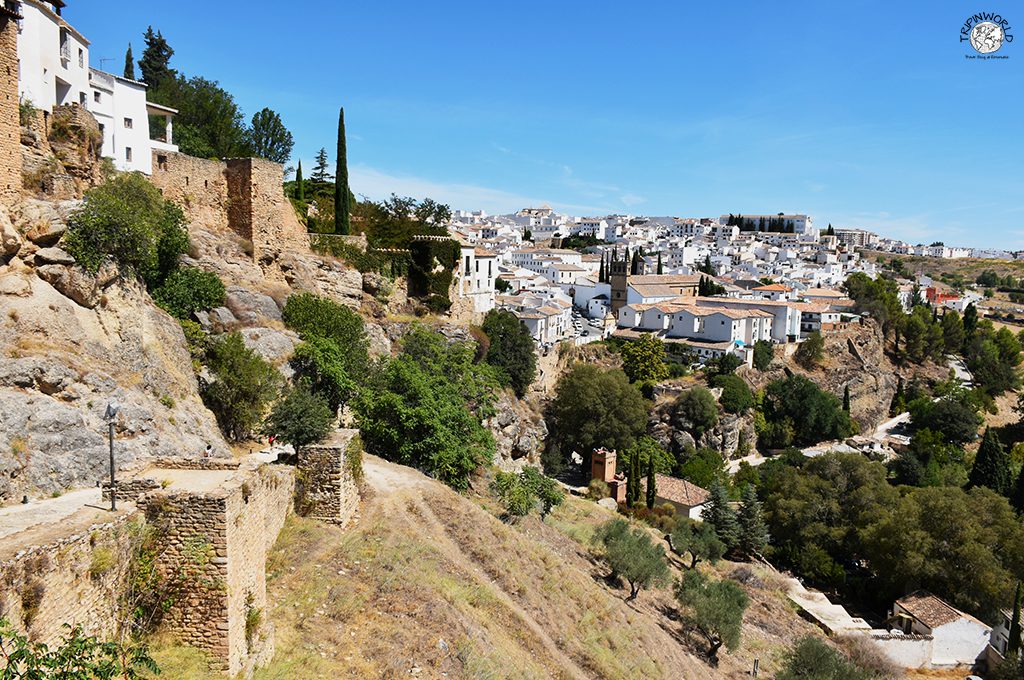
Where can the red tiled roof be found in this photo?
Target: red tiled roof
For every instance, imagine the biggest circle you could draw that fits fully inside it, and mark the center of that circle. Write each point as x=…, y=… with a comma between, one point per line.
x=680, y=491
x=928, y=609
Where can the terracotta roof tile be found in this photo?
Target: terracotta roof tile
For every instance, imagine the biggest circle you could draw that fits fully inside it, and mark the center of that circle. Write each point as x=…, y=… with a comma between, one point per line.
x=929, y=609
x=680, y=491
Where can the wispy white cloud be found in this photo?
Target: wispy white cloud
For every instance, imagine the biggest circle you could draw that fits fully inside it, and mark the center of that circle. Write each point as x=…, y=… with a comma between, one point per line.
x=378, y=184
x=632, y=199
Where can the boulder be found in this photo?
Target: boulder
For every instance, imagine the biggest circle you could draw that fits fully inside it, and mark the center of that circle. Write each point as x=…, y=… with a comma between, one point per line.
x=53, y=255
x=42, y=222
x=15, y=284
x=221, y=317
x=251, y=307
x=273, y=345
x=71, y=282
x=10, y=239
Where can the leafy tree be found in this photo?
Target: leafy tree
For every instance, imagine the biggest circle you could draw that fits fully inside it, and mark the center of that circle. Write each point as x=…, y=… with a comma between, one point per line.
x=736, y=395
x=753, y=532
x=811, y=351
x=269, y=138
x=719, y=515
x=393, y=222
x=324, y=365
x=544, y=488
x=763, y=355
x=320, y=169
x=806, y=413
x=723, y=365
x=812, y=659
x=712, y=608
x=877, y=297
x=991, y=466
x=697, y=538
x=423, y=408
x=702, y=467
x=189, y=290
x=594, y=408
x=156, y=59
x=632, y=555
x=696, y=411
x=342, y=209
x=129, y=64
x=647, y=449
x=643, y=359
x=923, y=338
x=521, y=492
x=209, y=123
x=300, y=418
x=76, y=657
x=313, y=316
x=127, y=221
x=954, y=416
x=244, y=384
x=652, y=489
x=511, y=349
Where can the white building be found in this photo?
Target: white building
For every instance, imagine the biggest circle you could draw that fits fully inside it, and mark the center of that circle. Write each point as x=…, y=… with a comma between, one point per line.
x=476, y=273
x=957, y=639
x=53, y=70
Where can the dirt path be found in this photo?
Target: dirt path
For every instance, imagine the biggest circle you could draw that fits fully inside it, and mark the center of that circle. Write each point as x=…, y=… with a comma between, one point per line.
x=395, y=487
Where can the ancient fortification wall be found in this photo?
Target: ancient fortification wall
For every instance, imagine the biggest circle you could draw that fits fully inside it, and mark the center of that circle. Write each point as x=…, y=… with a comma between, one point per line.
x=245, y=194
x=327, y=487
x=76, y=580
x=10, y=128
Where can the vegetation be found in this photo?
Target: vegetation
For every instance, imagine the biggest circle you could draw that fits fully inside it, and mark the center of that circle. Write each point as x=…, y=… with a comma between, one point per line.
x=593, y=408
x=243, y=386
x=269, y=138
x=796, y=411
x=300, y=418
x=763, y=355
x=424, y=408
x=632, y=554
x=510, y=349
x=696, y=410
x=327, y=368
x=342, y=208
x=76, y=657
x=127, y=221
x=698, y=539
x=719, y=515
x=991, y=466
x=643, y=359
x=811, y=351
x=753, y=533
x=812, y=659
x=712, y=608
x=188, y=290
x=312, y=316
x=736, y=395
x=522, y=492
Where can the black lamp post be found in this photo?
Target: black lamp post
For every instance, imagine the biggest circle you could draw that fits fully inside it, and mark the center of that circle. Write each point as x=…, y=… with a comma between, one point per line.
x=112, y=410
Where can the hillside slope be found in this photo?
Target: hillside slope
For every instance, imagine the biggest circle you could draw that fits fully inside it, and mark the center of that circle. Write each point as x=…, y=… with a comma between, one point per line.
x=430, y=583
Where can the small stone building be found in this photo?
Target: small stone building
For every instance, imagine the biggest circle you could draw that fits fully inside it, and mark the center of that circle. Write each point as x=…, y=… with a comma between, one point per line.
x=602, y=465
x=957, y=639
x=687, y=498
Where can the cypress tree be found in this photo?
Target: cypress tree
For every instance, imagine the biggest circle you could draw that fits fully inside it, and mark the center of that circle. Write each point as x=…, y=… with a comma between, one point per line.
x=1013, y=646
x=634, y=266
x=660, y=268
x=633, y=483
x=1017, y=497
x=846, y=398
x=652, y=484
x=300, y=190
x=970, y=323
x=991, y=465
x=753, y=534
x=600, y=272
x=129, y=64
x=721, y=517
x=342, y=218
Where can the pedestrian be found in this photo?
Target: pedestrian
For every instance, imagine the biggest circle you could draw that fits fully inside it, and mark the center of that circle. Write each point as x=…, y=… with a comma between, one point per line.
x=208, y=451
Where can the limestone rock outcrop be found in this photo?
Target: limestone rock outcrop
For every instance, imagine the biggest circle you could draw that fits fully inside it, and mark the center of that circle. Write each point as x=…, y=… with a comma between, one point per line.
x=519, y=432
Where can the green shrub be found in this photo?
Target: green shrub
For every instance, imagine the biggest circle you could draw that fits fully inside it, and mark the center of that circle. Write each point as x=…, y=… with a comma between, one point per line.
x=301, y=418
x=763, y=355
x=811, y=658
x=244, y=384
x=189, y=290
x=511, y=348
x=74, y=656
x=103, y=560
x=324, y=364
x=354, y=458
x=127, y=221
x=736, y=395
x=312, y=316
x=598, y=489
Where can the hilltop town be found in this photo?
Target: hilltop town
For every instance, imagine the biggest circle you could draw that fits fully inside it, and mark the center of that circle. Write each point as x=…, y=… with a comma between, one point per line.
x=252, y=426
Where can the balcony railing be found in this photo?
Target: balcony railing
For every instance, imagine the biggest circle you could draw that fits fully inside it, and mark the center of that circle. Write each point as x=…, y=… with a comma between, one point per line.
x=65, y=51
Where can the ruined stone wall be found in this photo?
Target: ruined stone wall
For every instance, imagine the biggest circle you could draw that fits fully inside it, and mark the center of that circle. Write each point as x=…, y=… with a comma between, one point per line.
x=10, y=128
x=328, y=489
x=240, y=189
x=76, y=580
x=199, y=186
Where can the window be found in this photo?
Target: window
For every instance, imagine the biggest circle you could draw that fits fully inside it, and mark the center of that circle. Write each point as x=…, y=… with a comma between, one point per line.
x=96, y=97
x=82, y=99
x=81, y=58
x=467, y=264
x=128, y=154
x=161, y=161
x=128, y=123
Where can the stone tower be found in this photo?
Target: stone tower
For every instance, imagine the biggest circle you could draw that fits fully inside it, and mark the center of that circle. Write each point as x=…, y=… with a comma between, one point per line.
x=10, y=125
x=618, y=277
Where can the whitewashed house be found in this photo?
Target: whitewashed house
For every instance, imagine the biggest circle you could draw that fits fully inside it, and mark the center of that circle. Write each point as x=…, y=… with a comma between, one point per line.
x=957, y=639
x=476, y=273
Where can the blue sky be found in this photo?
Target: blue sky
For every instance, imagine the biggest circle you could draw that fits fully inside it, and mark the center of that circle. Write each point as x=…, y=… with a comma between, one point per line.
x=861, y=113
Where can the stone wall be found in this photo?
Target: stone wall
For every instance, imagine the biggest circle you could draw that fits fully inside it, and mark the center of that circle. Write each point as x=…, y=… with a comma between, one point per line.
x=10, y=127
x=245, y=194
x=76, y=580
x=224, y=536
x=327, y=488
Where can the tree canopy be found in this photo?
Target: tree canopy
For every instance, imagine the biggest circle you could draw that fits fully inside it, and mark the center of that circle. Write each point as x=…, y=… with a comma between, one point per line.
x=511, y=349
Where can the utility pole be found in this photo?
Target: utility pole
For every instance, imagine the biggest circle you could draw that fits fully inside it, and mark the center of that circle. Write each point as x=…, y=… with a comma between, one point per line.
x=112, y=410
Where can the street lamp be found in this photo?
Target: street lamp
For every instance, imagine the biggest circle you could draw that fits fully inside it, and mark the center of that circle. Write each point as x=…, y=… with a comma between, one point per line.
x=112, y=410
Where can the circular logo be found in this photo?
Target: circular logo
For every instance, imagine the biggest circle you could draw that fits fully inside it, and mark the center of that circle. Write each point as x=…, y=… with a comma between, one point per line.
x=986, y=37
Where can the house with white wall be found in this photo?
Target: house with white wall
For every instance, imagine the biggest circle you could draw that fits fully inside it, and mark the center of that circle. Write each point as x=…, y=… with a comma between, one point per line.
x=957, y=639
x=476, y=273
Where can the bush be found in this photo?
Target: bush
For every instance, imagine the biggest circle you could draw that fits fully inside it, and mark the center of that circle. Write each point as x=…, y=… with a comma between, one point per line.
x=763, y=355
x=127, y=221
x=189, y=290
x=511, y=348
x=301, y=418
x=323, y=364
x=244, y=384
x=312, y=316
x=598, y=489
x=811, y=351
x=696, y=411
x=812, y=659
x=736, y=395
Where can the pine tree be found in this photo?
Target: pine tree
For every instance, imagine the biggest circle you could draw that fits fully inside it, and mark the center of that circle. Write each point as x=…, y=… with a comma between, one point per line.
x=1013, y=646
x=721, y=517
x=970, y=323
x=660, y=268
x=300, y=189
x=600, y=272
x=320, y=173
x=156, y=59
x=129, y=64
x=652, y=488
x=846, y=398
x=991, y=465
x=342, y=208
x=753, y=533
